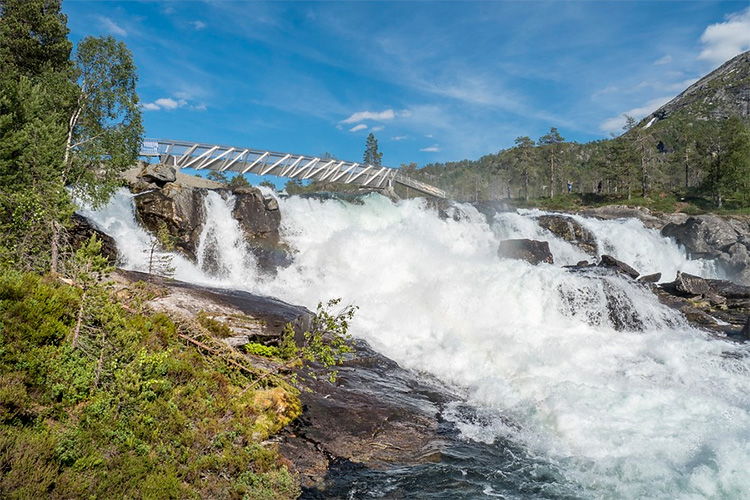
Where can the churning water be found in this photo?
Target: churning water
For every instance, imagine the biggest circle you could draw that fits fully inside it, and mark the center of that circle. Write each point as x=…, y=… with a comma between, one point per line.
x=587, y=374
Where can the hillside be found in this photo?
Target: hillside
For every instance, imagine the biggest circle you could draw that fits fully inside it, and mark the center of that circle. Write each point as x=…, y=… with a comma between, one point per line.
x=723, y=93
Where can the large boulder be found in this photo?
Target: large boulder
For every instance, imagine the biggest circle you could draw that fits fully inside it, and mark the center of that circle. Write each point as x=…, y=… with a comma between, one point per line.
x=177, y=208
x=157, y=173
x=569, y=230
x=260, y=218
x=725, y=239
x=534, y=252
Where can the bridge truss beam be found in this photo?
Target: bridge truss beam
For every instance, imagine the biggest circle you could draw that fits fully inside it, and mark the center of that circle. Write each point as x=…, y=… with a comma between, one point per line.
x=200, y=156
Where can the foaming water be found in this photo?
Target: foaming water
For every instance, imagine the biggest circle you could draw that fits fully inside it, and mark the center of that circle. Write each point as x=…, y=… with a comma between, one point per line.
x=586, y=370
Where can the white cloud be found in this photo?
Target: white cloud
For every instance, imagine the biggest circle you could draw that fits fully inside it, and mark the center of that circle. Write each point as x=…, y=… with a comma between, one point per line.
x=111, y=26
x=378, y=128
x=357, y=128
x=198, y=25
x=664, y=60
x=399, y=138
x=169, y=104
x=359, y=116
x=722, y=41
x=614, y=125
x=432, y=149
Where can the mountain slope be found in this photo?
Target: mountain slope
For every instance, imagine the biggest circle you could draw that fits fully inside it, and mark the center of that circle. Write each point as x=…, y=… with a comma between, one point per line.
x=722, y=93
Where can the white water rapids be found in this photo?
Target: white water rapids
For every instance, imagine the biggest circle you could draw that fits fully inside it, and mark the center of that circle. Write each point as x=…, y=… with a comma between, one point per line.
x=659, y=412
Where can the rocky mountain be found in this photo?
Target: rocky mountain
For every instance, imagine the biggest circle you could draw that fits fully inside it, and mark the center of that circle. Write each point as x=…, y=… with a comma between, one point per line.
x=722, y=93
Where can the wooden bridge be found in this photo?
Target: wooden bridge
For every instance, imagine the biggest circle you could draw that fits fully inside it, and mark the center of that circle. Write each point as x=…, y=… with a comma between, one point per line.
x=200, y=156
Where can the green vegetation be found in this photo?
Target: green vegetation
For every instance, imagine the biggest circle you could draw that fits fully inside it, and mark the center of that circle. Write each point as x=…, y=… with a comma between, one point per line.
x=142, y=415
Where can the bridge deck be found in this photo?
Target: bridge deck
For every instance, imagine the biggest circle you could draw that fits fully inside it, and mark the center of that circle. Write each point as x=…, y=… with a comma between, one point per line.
x=200, y=156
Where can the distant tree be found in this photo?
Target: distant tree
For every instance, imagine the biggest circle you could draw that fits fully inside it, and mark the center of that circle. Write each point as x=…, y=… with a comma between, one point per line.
x=550, y=143
x=218, y=176
x=268, y=184
x=641, y=142
x=728, y=154
x=523, y=156
x=372, y=156
x=238, y=181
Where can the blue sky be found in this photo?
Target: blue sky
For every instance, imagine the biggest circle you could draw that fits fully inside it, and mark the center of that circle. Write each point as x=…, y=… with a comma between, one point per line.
x=434, y=81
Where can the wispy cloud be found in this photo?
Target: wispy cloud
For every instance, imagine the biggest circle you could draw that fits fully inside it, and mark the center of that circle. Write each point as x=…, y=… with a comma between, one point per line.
x=112, y=27
x=664, y=60
x=360, y=116
x=435, y=148
x=722, y=41
x=198, y=25
x=357, y=128
x=379, y=128
x=399, y=138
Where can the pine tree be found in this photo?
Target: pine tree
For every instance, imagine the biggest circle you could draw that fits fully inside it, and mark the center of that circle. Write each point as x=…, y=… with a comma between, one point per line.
x=372, y=156
x=551, y=144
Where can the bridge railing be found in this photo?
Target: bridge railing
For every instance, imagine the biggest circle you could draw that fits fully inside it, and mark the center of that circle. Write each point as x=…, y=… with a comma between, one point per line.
x=200, y=156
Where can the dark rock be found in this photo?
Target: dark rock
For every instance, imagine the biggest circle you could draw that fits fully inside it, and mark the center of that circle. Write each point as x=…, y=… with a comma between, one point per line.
x=569, y=230
x=179, y=209
x=531, y=251
x=81, y=231
x=745, y=332
x=375, y=415
x=688, y=284
x=651, y=278
x=260, y=219
x=611, y=262
x=158, y=173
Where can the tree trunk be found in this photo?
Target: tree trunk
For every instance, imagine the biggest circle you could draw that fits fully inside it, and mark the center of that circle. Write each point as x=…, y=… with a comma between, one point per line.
x=79, y=321
x=55, y=248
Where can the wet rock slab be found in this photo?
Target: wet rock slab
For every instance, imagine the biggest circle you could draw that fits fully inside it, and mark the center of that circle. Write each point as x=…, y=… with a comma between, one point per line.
x=375, y=415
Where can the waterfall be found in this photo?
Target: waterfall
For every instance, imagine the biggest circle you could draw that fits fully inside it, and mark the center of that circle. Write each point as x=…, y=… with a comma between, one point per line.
x=587, y=370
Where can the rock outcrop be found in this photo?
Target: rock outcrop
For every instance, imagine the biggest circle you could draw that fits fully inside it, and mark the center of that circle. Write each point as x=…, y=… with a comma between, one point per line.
x=725, y=239
x=610, y=262
x=178, y=209
x=260, y=218
x=532, y=251
x=171, y=201
x=569, y=230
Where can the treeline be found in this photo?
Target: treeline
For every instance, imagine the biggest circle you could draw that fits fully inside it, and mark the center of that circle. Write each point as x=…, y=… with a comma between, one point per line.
x=683, y=154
